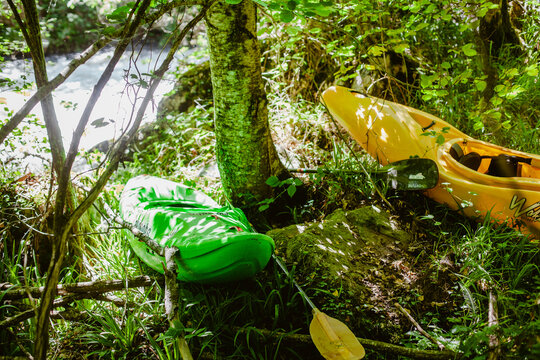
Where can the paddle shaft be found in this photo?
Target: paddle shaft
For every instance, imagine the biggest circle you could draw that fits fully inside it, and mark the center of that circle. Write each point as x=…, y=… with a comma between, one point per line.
x=341, y=172
x=300, y=290
x=325, y=171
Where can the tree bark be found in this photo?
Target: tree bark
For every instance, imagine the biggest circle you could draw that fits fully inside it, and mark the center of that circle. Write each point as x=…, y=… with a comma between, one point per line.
x=496, y=30
x=494, y=33
x=245, y=152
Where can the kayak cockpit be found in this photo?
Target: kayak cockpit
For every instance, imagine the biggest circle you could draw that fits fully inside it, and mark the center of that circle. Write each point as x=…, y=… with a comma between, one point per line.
x=491, y=164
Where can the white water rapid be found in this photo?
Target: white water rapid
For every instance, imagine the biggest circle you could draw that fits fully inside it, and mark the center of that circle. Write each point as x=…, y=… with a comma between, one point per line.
x=112, y=111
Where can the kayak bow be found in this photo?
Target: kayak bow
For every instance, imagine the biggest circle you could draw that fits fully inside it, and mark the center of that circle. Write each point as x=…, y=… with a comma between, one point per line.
x=475, y=176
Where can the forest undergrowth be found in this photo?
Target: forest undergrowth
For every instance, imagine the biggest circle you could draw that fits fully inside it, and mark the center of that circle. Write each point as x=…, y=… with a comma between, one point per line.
x=258, y=318
x=469, y=269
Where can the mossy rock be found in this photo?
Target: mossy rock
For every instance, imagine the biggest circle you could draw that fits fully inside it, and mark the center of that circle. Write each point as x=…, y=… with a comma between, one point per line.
x=361, y=260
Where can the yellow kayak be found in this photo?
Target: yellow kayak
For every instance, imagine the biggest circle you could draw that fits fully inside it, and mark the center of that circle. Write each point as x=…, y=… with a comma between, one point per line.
x=474, y=176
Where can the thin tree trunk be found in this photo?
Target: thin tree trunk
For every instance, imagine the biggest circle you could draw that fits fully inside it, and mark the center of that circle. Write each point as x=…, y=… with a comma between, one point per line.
x=245, y=152
x=66, y=221
x=66, y=214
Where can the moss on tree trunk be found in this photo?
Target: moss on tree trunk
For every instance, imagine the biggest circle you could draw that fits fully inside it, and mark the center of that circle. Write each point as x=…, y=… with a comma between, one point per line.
x=245, y=152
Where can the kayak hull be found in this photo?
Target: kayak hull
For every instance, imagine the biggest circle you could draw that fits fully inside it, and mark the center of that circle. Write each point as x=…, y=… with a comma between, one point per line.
x=215, y=243
x=390, y=132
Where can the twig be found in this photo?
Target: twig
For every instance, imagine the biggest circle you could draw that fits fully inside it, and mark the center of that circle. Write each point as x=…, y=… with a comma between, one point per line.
x=69, y=298
x=115, y=300
x=379, y=346
x=98, y=286
x=20, y=346
x=420, y=329
x=70, y=315
x=493, y=321
x=171, y=299
x=28, y=314
x=152, y=244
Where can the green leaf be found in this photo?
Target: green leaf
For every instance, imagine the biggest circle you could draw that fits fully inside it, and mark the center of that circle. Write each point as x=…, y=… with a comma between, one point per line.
x=416, y=7
x=496, y=101
x=291, y=190
x=273, y=181
x=376, y=50
x=478, y=125
x=323, y=11
x=445, y=16
x=233, y=2
x=431, y=9
x=101, y=122
x=468, y=50
x=286, y=15
x=292, y=30
x=512, y=72
x=440, y=139
x=500, y=89
x=446, y=65
x=121, y=12
x=292, y=4
x=421, y=26
x=400, y=48
x=532, y=70
x=481, y=85
x=109, y=30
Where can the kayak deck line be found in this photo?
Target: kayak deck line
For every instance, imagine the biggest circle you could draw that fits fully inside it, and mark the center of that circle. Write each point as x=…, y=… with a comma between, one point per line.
x=482, y=179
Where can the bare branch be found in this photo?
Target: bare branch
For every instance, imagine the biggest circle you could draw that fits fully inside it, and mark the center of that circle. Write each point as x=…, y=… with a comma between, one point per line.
x=301, y=340
x=420, y=329
x=72, y=292
x=118, y=151
x=171, y=299
x=493, y=320
x=98, y=286
x=152, y=244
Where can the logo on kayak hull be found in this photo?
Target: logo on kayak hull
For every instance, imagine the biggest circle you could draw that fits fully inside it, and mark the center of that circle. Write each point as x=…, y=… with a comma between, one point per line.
x=531, y=212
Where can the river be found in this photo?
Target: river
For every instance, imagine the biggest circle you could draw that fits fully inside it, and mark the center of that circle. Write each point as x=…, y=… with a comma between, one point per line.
x=111, y=113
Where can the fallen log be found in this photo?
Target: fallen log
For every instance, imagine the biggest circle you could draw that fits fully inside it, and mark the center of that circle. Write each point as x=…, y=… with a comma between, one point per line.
x=98, y=286
x=302, y=340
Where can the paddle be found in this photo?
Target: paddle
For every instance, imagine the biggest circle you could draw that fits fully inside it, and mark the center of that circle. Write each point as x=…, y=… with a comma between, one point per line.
x=333, y=339
x=408, y=174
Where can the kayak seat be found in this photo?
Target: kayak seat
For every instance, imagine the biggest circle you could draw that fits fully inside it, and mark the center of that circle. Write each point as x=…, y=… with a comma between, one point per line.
x=502, y=165
x=471, y=160
x=508, y=166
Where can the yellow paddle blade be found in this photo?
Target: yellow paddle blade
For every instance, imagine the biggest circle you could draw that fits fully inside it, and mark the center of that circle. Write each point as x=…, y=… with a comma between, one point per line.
x=333, y=339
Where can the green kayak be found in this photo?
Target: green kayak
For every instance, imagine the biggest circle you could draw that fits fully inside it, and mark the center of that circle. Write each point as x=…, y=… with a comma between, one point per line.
x=216, y=243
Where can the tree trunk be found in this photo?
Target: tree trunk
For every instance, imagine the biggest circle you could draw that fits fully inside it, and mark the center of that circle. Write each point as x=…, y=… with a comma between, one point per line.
x=245, y=152
x=496, y=30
